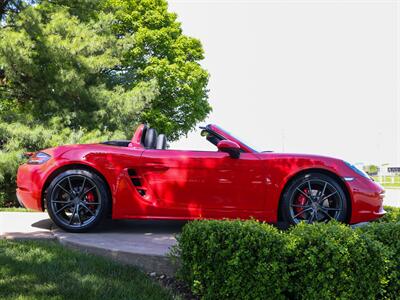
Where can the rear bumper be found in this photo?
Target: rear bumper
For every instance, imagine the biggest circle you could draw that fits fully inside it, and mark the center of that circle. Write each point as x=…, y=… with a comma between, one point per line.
x=19, y=198
x=30, y=180
x=29, y=199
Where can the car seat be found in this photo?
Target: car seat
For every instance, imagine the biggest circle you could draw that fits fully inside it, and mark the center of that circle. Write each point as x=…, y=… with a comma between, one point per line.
x=150, y=139
x=161, y=142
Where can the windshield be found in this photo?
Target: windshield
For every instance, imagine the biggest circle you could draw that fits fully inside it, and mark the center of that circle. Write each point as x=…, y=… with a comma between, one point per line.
x=236, y=138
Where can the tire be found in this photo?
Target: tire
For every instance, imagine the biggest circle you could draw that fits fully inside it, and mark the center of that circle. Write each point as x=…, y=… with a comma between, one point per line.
x=77, y=200
x=325, y=202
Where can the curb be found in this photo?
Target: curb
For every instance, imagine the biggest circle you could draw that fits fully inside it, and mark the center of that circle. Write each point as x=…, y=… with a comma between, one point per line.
x=36, y=236
x=147, y=263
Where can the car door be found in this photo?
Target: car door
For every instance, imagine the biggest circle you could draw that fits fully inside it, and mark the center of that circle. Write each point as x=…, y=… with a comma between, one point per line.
x=203, y=183
x=239, y=188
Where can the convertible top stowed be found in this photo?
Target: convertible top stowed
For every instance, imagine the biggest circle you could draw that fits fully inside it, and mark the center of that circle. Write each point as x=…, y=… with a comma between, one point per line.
x=80, y=185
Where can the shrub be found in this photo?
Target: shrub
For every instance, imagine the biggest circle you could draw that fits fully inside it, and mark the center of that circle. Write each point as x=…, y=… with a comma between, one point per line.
x=332, y=261
x=389, y=235
x=392, y=215
x=234, y=260
x=251, y=260
x=3, y=201
x=17, y=138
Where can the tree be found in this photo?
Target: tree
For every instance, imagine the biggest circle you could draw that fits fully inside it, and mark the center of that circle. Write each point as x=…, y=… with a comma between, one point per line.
x=56, y=65
x=77, y=71
x=11, y=7
x=63, y=53
x=160, y=51
x=371, y=169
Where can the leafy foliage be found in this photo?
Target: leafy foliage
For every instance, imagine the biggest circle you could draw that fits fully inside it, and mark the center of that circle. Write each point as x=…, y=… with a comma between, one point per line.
x=234, y=260
x=9, y=8
x=77, y=71
x=57, y=65
x=250, y=260
x=389, y=235
x=333, y=261
x=371, y=169
x=392, y=215
x=158, y=51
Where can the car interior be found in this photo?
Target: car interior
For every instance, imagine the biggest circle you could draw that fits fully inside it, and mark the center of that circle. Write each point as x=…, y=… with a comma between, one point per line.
x=149, y=140
x=152, y=140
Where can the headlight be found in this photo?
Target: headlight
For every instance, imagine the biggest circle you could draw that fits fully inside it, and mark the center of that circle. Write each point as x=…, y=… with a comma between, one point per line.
x=38, y=158
x=357, y=170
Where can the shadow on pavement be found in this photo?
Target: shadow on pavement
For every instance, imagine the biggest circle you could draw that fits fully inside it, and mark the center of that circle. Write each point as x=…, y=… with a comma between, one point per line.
x=141, y=226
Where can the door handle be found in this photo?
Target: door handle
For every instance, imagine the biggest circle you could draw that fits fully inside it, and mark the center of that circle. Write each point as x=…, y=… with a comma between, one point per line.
x=156, y=166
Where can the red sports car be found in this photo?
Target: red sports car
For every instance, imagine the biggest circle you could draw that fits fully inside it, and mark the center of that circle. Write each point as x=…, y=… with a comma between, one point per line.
x=80, y=185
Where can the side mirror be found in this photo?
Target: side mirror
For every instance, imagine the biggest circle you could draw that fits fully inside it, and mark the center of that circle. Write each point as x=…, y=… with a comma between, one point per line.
x=232, y=148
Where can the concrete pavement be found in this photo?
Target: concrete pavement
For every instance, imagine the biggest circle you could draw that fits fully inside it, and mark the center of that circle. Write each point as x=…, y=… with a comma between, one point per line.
x=392, y=197
x=145, y=244
x=22, y=225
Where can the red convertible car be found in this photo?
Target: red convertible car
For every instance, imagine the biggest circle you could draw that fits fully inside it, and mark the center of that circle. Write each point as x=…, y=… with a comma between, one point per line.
x=80, y=185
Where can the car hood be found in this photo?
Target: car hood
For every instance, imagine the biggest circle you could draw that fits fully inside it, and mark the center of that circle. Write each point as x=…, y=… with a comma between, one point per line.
x=298, y=156
x=304, y=161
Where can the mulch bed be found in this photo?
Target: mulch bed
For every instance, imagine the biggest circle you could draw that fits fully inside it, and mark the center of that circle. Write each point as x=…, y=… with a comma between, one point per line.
x=176, y=286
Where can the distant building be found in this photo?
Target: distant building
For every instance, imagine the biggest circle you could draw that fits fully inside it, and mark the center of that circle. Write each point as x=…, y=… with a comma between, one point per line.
x=389, y=170
x=395, y=170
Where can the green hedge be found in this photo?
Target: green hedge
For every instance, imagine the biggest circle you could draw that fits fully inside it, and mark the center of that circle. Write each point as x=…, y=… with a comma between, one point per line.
x=251, y=260
x=392, y=215
x=234, y=259
x=389, y=235
x=333, y=261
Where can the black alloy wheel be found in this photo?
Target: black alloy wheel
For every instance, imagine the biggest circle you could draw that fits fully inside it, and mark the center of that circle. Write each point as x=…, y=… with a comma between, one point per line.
x=314, y=197
x=77, y=200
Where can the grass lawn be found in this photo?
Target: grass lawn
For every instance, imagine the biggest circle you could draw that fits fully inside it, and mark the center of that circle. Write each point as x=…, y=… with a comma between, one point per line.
x=388, y=181
x=46, y=270
x=391, y=185
x=15, y=209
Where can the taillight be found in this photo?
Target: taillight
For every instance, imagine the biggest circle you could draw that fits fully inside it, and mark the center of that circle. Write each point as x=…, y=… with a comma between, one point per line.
x=38, y=158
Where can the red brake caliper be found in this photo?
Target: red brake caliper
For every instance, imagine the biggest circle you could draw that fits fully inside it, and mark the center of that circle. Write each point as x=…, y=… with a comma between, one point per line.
x=90, y=198
x=301, y=200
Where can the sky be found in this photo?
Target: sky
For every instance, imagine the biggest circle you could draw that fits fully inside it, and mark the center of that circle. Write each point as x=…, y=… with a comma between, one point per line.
x=320, y=77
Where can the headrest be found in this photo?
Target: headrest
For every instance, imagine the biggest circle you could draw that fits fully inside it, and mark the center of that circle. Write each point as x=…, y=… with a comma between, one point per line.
x=150, y=139
x=144, y=131
x=161, y=142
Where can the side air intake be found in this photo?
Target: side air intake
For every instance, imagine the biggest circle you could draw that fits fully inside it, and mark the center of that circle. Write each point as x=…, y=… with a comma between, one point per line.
x=137, y=182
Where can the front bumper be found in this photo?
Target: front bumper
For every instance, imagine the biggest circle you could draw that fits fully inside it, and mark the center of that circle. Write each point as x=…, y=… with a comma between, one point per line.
x=367, y=200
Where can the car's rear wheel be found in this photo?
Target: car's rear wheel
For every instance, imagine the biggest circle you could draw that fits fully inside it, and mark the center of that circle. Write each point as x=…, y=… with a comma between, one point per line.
x=313, y=197
x=77, y=200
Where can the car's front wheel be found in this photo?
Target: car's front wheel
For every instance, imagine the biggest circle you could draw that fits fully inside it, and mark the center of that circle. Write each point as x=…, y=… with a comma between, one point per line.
x=313, y=197
x=77, y=200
